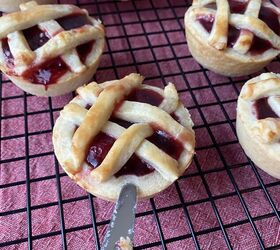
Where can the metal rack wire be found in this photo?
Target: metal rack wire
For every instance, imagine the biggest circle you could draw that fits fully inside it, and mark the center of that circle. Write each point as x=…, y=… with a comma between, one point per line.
x=148, y=37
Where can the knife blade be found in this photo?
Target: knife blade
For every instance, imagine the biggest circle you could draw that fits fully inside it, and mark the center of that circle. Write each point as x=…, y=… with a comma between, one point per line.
x=122, y=222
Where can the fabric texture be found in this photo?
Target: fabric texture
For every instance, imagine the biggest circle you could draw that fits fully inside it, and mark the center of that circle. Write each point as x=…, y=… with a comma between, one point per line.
x=221, y=198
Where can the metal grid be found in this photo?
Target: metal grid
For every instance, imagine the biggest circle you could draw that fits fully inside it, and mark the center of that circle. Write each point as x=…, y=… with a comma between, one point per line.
x=148, y=37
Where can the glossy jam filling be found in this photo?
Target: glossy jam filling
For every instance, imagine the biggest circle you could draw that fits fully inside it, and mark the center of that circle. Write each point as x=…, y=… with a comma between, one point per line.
x=145, y=96
x=263, y=109
x=52, y=70
x=135, y=166
x=271, y=18
x=175, y=117
x=84, y=50
x=46, y=73
x=206, y=22
x=166, y=143
x=122, y=123
x=73, y=21
x=237, y=7
x=102, y=143
x=35, y=37
x=100, y=148
x=259, y=46
x=233, y=35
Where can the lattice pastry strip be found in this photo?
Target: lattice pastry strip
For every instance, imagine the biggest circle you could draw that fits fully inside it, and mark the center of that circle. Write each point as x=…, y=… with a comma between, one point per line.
x=178, y=130
x=103, y=99
x=23, y=55
x=65, y=41
x=245, y=38
x=121, y=151
x=266, y=85
x=219, y=33
x=142, y=112
x=257, y=26
x=71, y=57
x=163, y=163
x=98, y=115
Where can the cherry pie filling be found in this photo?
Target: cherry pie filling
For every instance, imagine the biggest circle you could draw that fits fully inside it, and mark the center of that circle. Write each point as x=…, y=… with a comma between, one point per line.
x=9, y=59
x=53, y=69
x=259, y=45
x=263, y=110
x=102, y=143
x=237, y=7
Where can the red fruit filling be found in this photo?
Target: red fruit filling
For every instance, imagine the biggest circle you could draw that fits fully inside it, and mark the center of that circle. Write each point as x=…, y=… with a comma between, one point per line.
x=263, y=109
x=52, y=70
x=102, y=143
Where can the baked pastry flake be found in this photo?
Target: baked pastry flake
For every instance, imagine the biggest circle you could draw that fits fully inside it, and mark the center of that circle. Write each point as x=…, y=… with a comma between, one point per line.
x=123, y=131
x=50, y=50
x=258, y=121
x=13, y=5
x=124, y=244
x=233, y=37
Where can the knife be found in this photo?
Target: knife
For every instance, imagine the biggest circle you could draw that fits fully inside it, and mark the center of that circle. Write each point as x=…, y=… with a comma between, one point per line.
x=122, y=222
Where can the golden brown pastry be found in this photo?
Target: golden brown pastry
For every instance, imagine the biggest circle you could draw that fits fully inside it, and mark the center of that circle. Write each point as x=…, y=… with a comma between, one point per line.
x=123, y=131
x=13, y=5
x=50, y=50
x=258, y=121
x=233, y=38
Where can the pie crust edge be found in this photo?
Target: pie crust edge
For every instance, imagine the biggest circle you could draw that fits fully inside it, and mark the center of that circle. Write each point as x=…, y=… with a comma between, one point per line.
x=70, y=81
x=262, y=154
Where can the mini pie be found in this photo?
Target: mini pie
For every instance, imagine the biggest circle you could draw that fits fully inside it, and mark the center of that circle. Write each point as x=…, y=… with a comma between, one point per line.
x=50, y=50
x=233, y=37
x=258, y=121
x=123, y=131
x=13, y=5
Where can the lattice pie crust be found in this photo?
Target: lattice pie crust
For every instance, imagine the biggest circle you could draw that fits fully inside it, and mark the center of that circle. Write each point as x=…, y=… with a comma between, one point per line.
x=258, y=122
x=88, y=114
x=233, y=38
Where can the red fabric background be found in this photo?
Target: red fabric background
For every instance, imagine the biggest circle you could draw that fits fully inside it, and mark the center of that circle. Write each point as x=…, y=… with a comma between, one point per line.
x=150, y=41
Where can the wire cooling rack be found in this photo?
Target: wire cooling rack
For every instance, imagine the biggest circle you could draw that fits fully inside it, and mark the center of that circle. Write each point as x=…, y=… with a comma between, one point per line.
x=222, y=202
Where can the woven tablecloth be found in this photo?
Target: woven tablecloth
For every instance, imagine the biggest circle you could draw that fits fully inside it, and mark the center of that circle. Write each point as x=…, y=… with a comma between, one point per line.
x=221, y=202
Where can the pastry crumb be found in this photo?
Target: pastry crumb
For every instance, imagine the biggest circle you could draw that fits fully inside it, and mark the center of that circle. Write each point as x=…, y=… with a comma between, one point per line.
x=124, y=244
